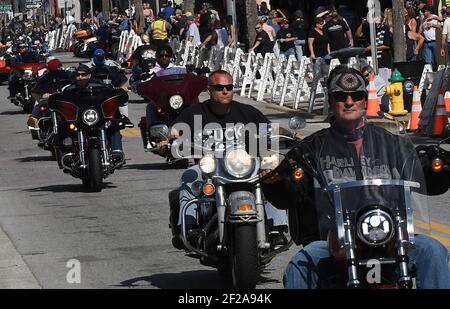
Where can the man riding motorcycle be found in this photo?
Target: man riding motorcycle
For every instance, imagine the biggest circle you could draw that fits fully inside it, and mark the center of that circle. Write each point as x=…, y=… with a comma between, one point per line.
x=102, y=70
x=82, y=81
x=53, y=80
x=24, y=56
x=351, y=149
x=219, y=110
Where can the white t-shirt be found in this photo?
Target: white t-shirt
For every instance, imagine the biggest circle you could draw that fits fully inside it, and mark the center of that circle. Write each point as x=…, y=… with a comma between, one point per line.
x=193, y=31
x=446, y=29
x=430, y=34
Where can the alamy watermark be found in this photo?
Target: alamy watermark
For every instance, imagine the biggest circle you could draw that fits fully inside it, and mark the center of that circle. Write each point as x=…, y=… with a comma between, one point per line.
x=259, y=140
x=74, y=274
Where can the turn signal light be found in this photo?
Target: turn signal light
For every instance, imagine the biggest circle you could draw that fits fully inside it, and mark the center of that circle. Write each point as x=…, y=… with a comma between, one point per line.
x=298, y=174
x=437, y=165
x=208, y=189
x=43, y=108
x=244, y=207
x=73, y=127
x=159, y=109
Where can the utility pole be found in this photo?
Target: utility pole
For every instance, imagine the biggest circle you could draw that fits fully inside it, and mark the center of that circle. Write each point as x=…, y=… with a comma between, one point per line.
x=399, y=31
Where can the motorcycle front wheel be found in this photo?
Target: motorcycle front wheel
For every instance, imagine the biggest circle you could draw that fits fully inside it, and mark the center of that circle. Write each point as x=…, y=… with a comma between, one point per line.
x=94, y=178
x=244, y=257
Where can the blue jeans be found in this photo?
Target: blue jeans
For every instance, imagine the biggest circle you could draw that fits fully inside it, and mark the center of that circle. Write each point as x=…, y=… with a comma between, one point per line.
x=299, y=48
x=430, y=258
x=192, y=177
x=289, y=52
x=429, y=53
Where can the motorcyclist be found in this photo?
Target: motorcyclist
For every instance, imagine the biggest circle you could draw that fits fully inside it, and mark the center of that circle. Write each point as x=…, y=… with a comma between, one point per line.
x=104, y=71
x=53, y=80
x=221, y=111
x=164, y=54
x=83, y=80
x=24, y=56
x=142, y=60
x=349, y=137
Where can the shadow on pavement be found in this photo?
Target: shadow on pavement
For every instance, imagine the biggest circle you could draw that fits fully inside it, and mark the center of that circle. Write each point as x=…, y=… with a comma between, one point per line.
x=151, y=166
x=199, y=279
x=72, y=188
x=35, y=159
x=12, y=112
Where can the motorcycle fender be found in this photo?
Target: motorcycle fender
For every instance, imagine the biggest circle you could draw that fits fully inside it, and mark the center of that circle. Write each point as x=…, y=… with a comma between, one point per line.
x=93, y=143
x=242, y=205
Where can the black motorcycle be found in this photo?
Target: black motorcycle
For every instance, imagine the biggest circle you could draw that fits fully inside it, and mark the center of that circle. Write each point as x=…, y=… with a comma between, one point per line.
x=84, y=120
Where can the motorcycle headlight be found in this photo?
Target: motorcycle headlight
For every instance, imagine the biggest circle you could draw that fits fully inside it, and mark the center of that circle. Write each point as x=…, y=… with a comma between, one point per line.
x=176, y=101
x=375, y=227
x=90, y=117
x=27, y=75
x=238, y=163
x=207, y=164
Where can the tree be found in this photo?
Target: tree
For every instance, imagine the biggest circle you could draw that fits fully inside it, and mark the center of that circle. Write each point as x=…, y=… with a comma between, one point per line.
x=399, y=32
x=251, y=13
x=189, y=5
x=106, y=9
x=15, y=5
x=140, y=20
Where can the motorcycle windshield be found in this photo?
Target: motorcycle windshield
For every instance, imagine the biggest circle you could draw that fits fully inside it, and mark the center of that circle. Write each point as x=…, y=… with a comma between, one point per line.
x=366, y=169
x=172, y=71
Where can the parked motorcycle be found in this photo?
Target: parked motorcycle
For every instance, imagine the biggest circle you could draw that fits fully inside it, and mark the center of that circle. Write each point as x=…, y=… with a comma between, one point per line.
x=172, y=91
x=84, y=120
x=232, y=232
x=371, y=223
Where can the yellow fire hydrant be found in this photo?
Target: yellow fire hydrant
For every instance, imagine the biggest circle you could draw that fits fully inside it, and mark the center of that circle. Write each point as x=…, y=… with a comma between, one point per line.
x=395, y=92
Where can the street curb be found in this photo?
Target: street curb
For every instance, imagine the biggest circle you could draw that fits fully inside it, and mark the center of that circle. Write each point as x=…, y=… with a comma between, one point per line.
x=14, y=272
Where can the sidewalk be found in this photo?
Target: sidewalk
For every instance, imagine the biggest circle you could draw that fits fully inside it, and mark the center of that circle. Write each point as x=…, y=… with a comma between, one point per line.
x=14, y=273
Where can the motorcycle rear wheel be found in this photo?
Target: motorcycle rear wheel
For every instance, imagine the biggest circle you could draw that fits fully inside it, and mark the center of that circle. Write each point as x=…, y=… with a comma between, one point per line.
x=95, y=171
x=244, y=257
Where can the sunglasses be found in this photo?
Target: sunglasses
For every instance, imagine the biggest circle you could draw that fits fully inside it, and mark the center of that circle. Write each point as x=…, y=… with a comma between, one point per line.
x=163, y=56
x=82, y=74
x=221, y=87
x=342, y=96
x=257, y=28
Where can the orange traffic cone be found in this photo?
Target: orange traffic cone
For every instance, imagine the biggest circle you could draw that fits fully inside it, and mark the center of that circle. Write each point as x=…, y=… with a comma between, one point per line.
x=447, y=101
x=373, y=106
x=416, y=109
x=440, y=118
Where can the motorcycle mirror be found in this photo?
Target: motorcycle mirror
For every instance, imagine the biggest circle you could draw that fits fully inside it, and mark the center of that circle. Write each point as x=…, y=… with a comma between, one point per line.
x=297, y=123
x=159, y=131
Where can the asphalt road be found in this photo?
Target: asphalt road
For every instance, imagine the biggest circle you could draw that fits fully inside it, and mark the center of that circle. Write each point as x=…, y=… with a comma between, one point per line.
x=120, y=236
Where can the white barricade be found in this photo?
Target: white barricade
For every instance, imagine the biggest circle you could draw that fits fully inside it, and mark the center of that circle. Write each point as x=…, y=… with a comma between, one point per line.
x=248, y=72
x=123, y=42
x=426, y=69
